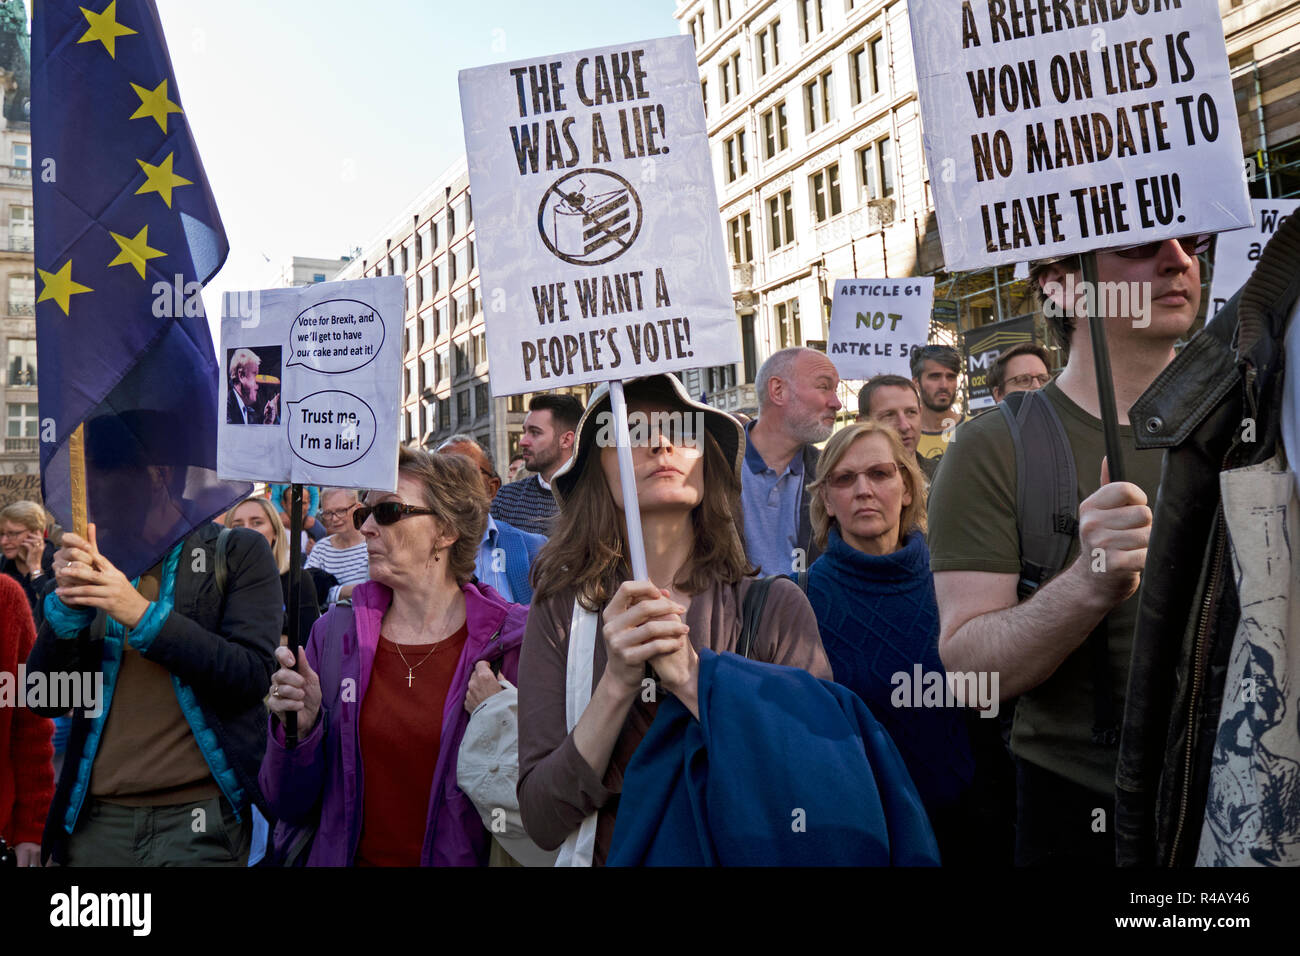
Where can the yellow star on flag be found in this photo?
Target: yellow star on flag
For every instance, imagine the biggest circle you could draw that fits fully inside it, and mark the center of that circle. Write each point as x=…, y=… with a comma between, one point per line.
x=135, y=252
x=60, y=286
x=161, y=179
x=104, y=28
x=154, y=103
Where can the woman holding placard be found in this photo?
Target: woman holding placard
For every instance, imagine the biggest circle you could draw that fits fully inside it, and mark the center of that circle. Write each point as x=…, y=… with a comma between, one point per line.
x=687, y=459
x=383, y=690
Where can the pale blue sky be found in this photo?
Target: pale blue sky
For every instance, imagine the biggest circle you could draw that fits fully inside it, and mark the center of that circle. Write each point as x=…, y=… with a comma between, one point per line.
x=318, y=120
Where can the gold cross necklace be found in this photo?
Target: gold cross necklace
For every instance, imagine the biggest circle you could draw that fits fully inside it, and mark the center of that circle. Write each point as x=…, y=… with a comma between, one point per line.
x=410, y=670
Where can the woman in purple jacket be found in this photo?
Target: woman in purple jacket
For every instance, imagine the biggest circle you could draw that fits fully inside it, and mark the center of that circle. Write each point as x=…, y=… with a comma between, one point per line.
x=383, y=691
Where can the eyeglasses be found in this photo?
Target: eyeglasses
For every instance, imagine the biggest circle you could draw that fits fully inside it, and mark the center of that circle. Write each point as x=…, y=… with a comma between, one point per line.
x=1028, y=381
x=877, y=475
x=1192, y=245
x=337, y=512
x=386, y=513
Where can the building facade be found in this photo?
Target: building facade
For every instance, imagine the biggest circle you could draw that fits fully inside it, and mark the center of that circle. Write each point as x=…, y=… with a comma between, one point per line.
x=815, y=127
x=19, y=459
x=301, y=270
x=1263, y=39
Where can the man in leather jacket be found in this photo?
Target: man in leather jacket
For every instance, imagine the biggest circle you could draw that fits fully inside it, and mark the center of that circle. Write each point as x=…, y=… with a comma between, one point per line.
x=1218, y=406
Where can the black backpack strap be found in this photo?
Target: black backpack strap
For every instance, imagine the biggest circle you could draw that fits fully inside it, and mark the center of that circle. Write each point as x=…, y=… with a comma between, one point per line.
x=1047, y=495
x=222, y=562
x=1047, y=487
x=751, y=613
x=801, y=579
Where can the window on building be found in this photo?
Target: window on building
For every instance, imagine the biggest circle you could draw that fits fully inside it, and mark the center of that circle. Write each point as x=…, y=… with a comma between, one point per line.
x=878, y=65
x=444, y=413
x=20, y=228
x=451, y=223
x=419, y=246
x=440, y=275
x=742, y=242
x=433, y=237
x=720, y=378
x=697, y=29
x=780, y=219
x=424, y=293
x=729, y=75
x=462, y=406
x=721, y=12
x=318, y=277
x=462, y=364
x=767, y=48
x=392, y=266
x=876, y=169
x=430, y=372
x=22, y=155
x=775, y=135
x=435, y=319
x=410, y=381
x=482, y=404
x=422, y=381
x=825, y=184
x=22, y=362
x=787, y=324
x=444, y=366
x=704, y=95
x=406, y=260
x=451, y=269
x=811, y=22
x=748, y=346
x=517, y=403
x=22, y=295
x=819, y=101
x=734, y=148
x=21, y=420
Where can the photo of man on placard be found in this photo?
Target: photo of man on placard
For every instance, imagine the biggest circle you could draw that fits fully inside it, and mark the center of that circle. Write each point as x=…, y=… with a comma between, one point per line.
x=253, y=395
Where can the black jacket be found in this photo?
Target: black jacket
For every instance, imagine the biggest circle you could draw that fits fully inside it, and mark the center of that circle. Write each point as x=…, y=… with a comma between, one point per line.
x=220, y=646
x=1197, y=408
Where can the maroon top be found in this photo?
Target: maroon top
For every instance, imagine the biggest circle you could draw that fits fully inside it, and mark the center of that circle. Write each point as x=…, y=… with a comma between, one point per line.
x=401, y=725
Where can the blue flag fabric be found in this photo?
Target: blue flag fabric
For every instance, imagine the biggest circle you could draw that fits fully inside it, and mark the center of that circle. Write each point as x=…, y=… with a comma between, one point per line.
x=127, y=233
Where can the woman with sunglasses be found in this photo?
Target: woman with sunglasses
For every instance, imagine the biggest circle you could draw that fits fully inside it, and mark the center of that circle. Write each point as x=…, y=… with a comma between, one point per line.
x=383, y=690
x=873, y=594
x=687, y=459
x=343, y=554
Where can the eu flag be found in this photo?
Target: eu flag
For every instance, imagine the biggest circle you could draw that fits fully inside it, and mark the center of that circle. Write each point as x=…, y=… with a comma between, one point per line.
x=127, y=233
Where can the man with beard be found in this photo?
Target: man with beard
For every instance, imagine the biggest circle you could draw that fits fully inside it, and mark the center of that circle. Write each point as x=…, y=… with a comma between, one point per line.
x=934, y=373
x=546, y=444
x=796, y=410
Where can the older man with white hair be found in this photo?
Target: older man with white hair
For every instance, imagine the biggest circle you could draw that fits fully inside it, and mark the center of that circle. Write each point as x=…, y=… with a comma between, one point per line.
x=797, y=405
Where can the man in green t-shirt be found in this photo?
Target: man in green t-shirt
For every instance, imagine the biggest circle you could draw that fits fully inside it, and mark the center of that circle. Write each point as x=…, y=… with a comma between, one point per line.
x=1065, y=781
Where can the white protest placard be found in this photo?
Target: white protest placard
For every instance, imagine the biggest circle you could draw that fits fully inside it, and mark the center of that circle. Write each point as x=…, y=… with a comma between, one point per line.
x=312, y=384
x=876, y=323
x=600, y=246
x=1060, y=127
x=1235, y=253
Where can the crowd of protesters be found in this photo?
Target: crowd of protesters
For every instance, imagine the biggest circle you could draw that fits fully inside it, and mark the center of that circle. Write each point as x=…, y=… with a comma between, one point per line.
x=466, y=615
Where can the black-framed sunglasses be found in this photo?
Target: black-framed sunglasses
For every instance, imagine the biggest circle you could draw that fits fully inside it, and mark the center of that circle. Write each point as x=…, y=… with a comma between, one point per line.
x=386, y=512
x=1192, y=245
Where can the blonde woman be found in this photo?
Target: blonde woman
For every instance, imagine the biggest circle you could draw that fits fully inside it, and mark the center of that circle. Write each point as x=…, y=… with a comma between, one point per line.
x=873, y=593
x=260, y=515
